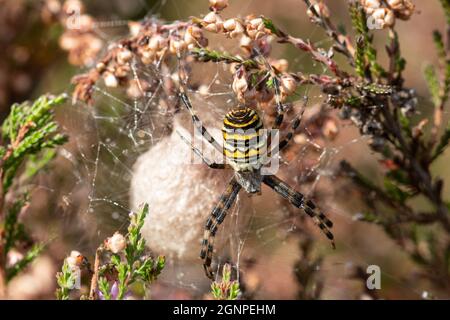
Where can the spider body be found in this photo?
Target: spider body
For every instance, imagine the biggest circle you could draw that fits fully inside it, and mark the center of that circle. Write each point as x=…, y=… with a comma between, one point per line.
x=246, y=147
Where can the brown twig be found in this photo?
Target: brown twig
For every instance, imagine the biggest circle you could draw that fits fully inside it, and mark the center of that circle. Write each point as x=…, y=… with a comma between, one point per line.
x=93, y=295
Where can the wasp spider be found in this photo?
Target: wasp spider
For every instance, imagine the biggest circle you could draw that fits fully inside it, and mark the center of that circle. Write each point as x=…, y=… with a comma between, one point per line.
x=244, y=149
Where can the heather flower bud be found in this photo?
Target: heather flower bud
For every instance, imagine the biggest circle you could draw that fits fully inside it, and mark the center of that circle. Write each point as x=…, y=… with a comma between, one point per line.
x=147, y=56
x=239, y=85
x=330, y=129
x=246, y=43
x=403, y=9
x=213, y=22
x=383, y=18
x=233, y=28
x=370, y=5
x=176, y=46
x=321, y=9
x=192, y=35
x=135, y=28
x=218, y=5
x=13, y=257
x=116, y=243
x=281, y=65
x=288, y=85
x=124, y=56
x=155, y=43
x=255, y=28
x=122, y=71
x=110, y=80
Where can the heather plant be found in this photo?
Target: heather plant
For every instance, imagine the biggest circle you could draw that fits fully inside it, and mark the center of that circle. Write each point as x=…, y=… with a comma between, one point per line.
x=360, y=86
x=121, y=266
x=225, y=289
x=29, y=137
x=364, y=92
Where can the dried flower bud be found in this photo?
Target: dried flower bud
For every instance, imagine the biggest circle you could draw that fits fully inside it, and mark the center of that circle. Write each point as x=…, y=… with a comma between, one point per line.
x=124, y=56
x=110, y=80
x=192, y=34
x=281, y=65
x=321, y=9
x=403, y=9
x=135, y=28
x=240, y=85
x=301, y=139
x=218, y=5
x=330, y=129
x=155, y=43
x=256, y=28
x=382, y=18
x=233, y=28
x=122, y=71
x=13, y=257
x=288, y=85
x=72, y=6
x=203, y=90
x=246, y=44
x=116, y=243
x=176, y=46
x=147, y=56
x=370, y=5
x=213, y=22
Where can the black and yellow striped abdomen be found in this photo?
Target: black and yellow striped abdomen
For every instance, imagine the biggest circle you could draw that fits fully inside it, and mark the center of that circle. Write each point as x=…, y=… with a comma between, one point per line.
x=244, y=140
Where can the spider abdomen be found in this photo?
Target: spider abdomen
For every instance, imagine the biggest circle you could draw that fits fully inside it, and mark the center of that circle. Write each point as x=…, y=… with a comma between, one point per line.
x=244, y=140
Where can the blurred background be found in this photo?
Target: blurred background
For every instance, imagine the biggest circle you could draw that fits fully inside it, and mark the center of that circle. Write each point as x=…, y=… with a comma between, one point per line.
x=84, y=196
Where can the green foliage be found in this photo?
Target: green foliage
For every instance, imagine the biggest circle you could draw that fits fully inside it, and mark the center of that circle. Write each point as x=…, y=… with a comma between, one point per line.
x=14, y=229
x=37, y=162
x=433, y=84
x=446, y=6
x=32, y=254
x=206, y=55
x=364, y=47
x=66, y=282
x=225, y=289
x=268, y=24
x=394, y=192
x=136, y=266
x=29, y=136
x=400, y=62
x=28, y=129
x=122, y=269
x=104, y=287
x=443, y=144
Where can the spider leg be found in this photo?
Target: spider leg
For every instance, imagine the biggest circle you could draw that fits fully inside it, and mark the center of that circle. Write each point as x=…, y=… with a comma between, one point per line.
x=295, y=124
x=279, y=106
x=285, y=141
x=216, y=217
x=298, y=200
x=276, y=84
x=208, y=162
x=197, y=123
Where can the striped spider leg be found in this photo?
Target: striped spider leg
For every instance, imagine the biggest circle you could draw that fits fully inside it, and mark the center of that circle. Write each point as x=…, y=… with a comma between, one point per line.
x=197, y=123
x=298, y=200
x=216, y=217
x=209, y=163
x=285, y=141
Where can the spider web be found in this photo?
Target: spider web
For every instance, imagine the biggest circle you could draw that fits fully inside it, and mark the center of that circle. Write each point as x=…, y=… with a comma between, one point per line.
x=107, y=140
